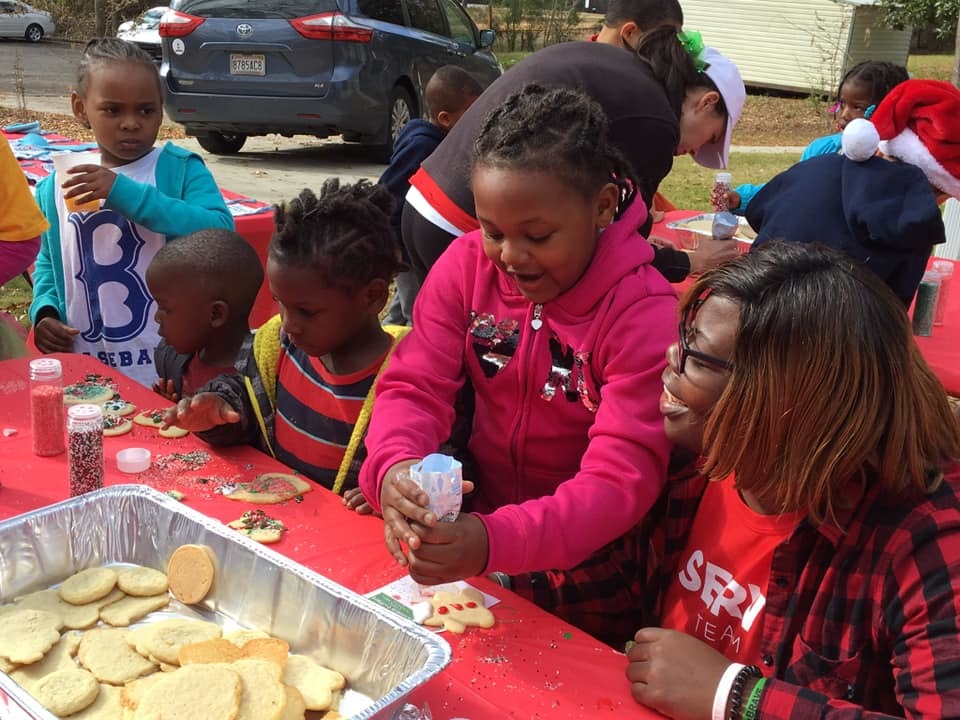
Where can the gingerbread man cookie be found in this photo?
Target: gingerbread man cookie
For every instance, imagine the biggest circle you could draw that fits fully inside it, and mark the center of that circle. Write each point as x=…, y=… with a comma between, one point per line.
x=458, y=611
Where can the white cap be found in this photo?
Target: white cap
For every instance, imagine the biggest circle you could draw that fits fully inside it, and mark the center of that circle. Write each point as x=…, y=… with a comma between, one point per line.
x=133, y=460
x=726, y=77
x=86, y=411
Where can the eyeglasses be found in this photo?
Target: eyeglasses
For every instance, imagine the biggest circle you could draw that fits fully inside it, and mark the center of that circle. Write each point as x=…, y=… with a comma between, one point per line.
x=685, y=330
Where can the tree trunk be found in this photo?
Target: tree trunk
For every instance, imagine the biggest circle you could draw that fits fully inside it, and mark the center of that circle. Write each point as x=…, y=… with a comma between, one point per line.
x=956, y=56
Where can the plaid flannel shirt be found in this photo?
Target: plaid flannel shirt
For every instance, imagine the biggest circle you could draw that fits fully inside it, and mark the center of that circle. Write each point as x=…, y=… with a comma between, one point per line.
x=861, y=618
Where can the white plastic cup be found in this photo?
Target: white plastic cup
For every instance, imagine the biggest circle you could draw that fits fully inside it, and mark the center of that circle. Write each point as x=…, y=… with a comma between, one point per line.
x=133, y=460
x=945, y=269
x=62, y=162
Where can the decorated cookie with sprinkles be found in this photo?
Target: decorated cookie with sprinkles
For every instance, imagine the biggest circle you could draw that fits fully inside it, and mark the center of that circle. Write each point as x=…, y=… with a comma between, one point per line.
x=259, y=526
x=269, y=489
x=118, y=406
x=93, y=388
x=150, y=418
x=458, y=611
x=116, y=425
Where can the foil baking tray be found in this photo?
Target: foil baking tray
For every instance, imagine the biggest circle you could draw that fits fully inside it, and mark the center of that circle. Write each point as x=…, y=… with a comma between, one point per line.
x=691, y=229
x=383, y=656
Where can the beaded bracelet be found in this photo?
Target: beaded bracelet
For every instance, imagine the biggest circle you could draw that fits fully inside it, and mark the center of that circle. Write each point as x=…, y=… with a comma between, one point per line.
x=753, y=702
x=735, y=699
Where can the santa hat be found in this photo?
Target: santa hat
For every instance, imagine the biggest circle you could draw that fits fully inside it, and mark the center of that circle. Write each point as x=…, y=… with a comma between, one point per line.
x=918, y=122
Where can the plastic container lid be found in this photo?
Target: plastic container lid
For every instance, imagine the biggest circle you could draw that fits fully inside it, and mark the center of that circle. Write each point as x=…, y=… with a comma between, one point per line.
x=723, y=177
x=45, y=369
x=87, y=411
x=133, y=460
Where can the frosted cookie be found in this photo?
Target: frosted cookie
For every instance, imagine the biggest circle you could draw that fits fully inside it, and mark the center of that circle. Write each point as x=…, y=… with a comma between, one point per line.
x=191, y=573
x=209, y=651
x=141, y=581
x=106, y=707
x=74, y=617
x=270, y=488
x=259, y=526
x=114, y=425
x=88, y=585
x=263, y=696
x=296, y=708
x=150, y=418
x=94, y=389
x=59, y=657
x=26, y=635
x=65, y=692
x=130, y=609
x=243, y=636
x=162, y=640
x=314, y=682
x=211, y=692
x=118, y=406
x=106, y=654
x=458, y=611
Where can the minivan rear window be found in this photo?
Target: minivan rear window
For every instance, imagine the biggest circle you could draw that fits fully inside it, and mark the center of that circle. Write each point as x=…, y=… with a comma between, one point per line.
x=278, y=9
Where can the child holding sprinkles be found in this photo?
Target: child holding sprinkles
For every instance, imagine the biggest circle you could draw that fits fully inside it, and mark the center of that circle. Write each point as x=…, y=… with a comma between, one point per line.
x=307, y=389
x=555, y=315
x=89, y=294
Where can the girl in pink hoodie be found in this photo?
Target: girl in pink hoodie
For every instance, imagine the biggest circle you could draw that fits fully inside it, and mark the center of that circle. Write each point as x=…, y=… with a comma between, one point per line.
x=554, y=315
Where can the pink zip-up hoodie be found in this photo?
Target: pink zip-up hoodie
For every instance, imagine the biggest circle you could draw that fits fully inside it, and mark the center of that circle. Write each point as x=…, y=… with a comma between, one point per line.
x=567, y=433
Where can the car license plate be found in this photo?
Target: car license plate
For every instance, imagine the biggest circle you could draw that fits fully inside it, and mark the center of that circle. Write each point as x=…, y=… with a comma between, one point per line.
x=248, y=65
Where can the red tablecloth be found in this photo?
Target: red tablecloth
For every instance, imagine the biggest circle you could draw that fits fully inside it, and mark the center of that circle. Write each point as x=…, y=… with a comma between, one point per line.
x=941, y=350
x=529, y=665
x=255, y=228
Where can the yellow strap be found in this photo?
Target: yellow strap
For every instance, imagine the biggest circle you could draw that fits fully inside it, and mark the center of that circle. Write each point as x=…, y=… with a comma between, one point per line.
x=260, y=420
x=397, y=332
x=266, y=353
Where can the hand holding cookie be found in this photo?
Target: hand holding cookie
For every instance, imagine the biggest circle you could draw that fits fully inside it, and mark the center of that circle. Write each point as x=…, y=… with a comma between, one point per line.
x=449, y=551
x=203, y=411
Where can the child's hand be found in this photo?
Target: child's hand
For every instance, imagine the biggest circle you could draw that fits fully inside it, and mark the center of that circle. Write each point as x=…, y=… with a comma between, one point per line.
x=50, y=335
x=400, y=499
x=449, y=551
x=92, y=181
x=200, y=412
x=354, y=499
x=711, y=253
x=733, y=199
x=167, y=389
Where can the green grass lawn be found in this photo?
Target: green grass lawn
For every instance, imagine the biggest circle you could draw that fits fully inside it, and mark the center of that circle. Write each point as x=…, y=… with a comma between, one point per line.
x=15, y=299
x=688, y=185
x=934, y=67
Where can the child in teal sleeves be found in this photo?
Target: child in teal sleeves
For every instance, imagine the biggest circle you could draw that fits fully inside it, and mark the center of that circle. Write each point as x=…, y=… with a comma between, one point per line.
x=89, y=291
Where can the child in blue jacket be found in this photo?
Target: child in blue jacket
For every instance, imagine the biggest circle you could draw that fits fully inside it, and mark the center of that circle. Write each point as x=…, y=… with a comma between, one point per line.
x=90, y=295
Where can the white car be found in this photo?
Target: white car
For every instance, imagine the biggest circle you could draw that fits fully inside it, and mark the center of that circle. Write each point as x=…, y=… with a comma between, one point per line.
x=19, y=20
x=144, y=31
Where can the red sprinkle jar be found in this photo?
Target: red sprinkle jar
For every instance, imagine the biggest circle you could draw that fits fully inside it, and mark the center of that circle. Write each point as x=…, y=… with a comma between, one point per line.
x=85, y=448
x=46, y=406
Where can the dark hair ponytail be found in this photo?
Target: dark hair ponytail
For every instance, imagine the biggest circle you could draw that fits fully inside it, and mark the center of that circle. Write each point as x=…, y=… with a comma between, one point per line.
x=670, y=63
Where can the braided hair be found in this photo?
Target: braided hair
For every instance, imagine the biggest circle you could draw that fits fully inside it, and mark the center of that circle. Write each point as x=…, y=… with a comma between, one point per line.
x=344, y=234
x=557, y=131
x=106, y=51
x=881, y=77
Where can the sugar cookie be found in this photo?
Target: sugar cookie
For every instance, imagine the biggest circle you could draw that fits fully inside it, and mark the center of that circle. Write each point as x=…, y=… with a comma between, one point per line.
x=106, y=654
x=141, y=581
x=263, y=696
x=94, y=389
x=68, y=691
x=74, y=617
x=295, y=708
x=88, y=585
x=270, y=488
x=118, y=406
x=133, y=692
x=211, y=692
x=163, y=640
x=150, y=418
x=191, y=573
x=258, y=526
x=114, y=425
x=244, y=635
x=26, y=635
x=315, y=682
x=106, y=707
x=273, y=649
x=59, y=657
x=172, y=431
x=130, y=609
x=458, y=611
x=209, y=651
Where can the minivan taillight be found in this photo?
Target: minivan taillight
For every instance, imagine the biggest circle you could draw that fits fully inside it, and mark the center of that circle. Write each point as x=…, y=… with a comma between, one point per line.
x=331, y=26
x=178, y=24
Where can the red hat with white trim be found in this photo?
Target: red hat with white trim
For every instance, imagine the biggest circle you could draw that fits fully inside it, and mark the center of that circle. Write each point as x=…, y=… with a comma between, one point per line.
x=918, y=122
